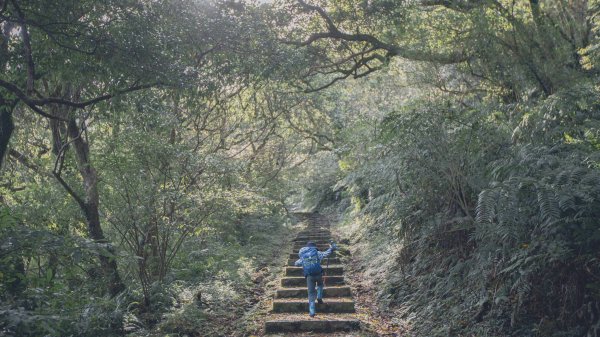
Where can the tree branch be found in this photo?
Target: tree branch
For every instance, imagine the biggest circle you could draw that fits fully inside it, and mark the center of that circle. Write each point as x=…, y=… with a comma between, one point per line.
x=459, y=6
x=80, y=105
x=28, y=101
x=34, y=104
x=392, y=50
x=71, y=192
x=23, y=160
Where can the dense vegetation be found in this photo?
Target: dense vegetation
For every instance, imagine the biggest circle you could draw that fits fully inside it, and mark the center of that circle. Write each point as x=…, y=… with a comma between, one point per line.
x=149, y=150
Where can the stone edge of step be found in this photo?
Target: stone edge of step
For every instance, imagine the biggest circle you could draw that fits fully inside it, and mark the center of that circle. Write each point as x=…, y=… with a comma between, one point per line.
x=319, y=326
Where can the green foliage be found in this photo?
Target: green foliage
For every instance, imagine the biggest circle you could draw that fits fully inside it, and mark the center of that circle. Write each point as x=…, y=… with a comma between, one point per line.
x=216, y=281
x=482, y=181
x=474, y=223
x=152, y=139
x=43, y=286
x=166, y=149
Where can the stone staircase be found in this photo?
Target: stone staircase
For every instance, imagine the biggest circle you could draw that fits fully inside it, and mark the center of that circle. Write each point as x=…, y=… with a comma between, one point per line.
x=290, y=306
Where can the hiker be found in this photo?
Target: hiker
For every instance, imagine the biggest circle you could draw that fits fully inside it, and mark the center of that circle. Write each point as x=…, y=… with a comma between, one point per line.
x=310, y=260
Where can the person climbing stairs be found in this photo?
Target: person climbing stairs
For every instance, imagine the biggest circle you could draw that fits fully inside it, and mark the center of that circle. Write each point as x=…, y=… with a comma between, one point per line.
x=310, y=261
x=290, y=311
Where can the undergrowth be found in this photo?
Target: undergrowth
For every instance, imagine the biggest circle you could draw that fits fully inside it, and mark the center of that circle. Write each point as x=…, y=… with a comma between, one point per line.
x=470, y=227
x=214, y=288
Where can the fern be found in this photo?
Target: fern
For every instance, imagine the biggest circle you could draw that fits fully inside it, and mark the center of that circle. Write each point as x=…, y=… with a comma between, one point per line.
x=548, y=204
x=486, y=206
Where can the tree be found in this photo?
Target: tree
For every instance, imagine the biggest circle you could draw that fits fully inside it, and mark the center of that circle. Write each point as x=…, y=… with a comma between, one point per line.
x=494, y=42
x=62, y=60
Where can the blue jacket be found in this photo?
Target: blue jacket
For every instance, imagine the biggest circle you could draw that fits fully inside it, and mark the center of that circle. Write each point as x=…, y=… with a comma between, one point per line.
x=321, y=255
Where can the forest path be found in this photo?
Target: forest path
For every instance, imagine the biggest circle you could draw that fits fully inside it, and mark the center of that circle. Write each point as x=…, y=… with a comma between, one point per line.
x=289, y=314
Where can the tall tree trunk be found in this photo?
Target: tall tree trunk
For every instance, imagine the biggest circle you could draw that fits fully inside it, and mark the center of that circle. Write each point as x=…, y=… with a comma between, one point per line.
x=6, y=128
x=6, y=120
x=91, y=205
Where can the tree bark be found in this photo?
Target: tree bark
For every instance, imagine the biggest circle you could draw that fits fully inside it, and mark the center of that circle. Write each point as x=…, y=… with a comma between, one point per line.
x=91, y=206
x=6, y=127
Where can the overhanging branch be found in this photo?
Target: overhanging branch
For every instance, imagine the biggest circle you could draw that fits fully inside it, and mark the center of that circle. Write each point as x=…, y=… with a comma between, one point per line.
x=333, y=32
x=84, y=104
x=27, y=100
x=36, y=104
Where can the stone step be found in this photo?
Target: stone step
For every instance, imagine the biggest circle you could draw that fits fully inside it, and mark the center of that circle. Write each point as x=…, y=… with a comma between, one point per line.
x=322, y=323
x=310, y=230
x=295, y=255
x=298, y=245
x=305, y=325
x=322, y=248
x=332, y=270
x=317, y=241
x=333, y=260
x=312, y=236
x=322, y=240
x=328, y=292
x=323, y=237
x=338, y=305
x=300, y=281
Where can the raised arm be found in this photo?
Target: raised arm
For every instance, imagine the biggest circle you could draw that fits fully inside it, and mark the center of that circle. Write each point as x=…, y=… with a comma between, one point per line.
x=328, y=252
x=298, y=263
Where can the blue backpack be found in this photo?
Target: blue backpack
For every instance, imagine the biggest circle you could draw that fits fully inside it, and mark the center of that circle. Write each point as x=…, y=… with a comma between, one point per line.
x=310, y=262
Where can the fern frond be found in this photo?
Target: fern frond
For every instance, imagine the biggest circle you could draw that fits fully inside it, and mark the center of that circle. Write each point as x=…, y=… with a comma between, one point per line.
x=485, y=206
x=548, y=204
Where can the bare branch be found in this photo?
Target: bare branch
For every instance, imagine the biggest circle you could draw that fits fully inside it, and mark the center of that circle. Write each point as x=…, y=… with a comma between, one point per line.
x=25, y=161
x=353, y=71
x=328, y=84
x=34, y=104
x=80, y=105
x=71, y=192
x=23, y=97
x=462, y=6
x=21, y=158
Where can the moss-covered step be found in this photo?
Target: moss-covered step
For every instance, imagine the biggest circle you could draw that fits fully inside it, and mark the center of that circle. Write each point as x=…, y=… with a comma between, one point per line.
x=296, y=248
x=295, y=305
x=302, y=292
x=324, y=326
x=313, y=236
x=322, y=323
x=318, y=241
x=292, y=282
x=332, y=270
x=313, y=229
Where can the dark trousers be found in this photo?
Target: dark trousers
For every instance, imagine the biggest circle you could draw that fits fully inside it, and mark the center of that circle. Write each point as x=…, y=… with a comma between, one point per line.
x=314, y=282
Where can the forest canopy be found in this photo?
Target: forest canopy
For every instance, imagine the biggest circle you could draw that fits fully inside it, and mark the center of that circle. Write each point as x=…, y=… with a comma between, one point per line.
x=151, y=153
